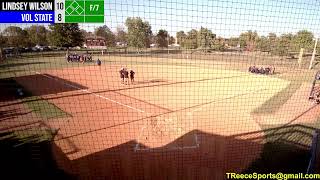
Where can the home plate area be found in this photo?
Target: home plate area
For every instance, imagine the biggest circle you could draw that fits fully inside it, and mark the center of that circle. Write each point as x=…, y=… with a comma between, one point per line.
x=167, y=132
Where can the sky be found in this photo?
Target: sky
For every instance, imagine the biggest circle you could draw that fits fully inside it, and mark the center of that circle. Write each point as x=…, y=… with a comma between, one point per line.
x=225, y=18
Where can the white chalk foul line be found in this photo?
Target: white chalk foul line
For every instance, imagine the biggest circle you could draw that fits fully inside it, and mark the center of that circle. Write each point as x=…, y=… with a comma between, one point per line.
x=92, y=93
x=137, y=147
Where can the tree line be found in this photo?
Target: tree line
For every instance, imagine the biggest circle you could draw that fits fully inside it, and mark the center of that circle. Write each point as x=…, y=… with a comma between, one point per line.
x=138, y=34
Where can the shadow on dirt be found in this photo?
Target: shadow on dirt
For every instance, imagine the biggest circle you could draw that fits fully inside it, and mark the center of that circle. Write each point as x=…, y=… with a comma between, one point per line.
x=287, y=150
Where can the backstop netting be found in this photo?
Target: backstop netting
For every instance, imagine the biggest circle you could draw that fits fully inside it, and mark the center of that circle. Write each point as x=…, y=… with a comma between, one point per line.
x=162, y=90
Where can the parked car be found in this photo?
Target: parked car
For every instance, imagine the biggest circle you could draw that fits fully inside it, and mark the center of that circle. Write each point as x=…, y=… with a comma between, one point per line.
x=45, y=48
x=61, y=48
x=20, y=50
x=35, y=49
x=52, y=48
x=42, y=48
x=27, y=49
x=39, y=47
x=9, y=50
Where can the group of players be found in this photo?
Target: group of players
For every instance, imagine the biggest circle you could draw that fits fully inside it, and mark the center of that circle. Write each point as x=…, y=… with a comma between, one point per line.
x=262, y=70
x=74, y=57
x=125, y=74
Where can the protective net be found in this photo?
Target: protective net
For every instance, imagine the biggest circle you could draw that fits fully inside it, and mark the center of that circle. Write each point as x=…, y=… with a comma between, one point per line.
x=162, y=90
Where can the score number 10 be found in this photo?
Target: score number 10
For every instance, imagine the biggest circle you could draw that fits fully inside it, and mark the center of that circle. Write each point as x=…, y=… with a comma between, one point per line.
x=59, y=12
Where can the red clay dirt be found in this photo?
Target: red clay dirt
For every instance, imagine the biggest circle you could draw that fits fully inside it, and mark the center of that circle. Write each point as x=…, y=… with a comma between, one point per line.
x=100, y=138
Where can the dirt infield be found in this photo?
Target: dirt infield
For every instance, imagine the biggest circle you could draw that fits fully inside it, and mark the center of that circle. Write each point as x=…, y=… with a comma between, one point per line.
x=174, y=121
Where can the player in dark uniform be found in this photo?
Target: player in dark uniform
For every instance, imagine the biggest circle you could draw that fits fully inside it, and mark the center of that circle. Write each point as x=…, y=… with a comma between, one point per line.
x=126, y=77
x=98, y=62
x=122, y=75
x=132, y=76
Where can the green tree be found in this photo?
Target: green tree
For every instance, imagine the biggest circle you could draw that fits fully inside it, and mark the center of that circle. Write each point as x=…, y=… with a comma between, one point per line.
x=287, y=41
x=234, y=41
x=281, y=45
x=191, y=41
x=16, y=36
x=272, y=37
x=153, y=39
x=104, y=31
x=219, y=44
x=181, y=38
x=66, y=35
x=37, y=35
x=263, y=44
x=172, y=40
x=303, y=39
x=85, y=33
x=162, y=38
x=3, y=41
x=121, y=35
x=139, y=32
x=205, y=38
x=249, y=40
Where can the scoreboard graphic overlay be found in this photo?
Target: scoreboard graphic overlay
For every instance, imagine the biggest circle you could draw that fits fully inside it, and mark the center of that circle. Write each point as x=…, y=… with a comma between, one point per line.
x=52, y=11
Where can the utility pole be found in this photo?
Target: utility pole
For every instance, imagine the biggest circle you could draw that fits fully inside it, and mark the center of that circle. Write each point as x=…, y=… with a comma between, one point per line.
x=313, y=53
x=168, y=41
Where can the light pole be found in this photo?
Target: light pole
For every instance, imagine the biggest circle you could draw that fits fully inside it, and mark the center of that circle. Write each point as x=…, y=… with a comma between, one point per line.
x=313, y=53
x=168, y=41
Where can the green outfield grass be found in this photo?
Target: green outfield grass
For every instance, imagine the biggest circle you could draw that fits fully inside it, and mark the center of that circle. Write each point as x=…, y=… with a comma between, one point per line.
x=44, y=108
x=274, y=103
x=24, y=65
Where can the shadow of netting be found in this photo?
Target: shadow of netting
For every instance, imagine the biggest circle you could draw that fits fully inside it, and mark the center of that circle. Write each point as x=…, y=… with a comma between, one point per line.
x=45, y=84
x=27, y=155
x=37, y=84
x=281, y=149
x=287, y=150
x=11, y=113
x=8, y=88
x=215, y=156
